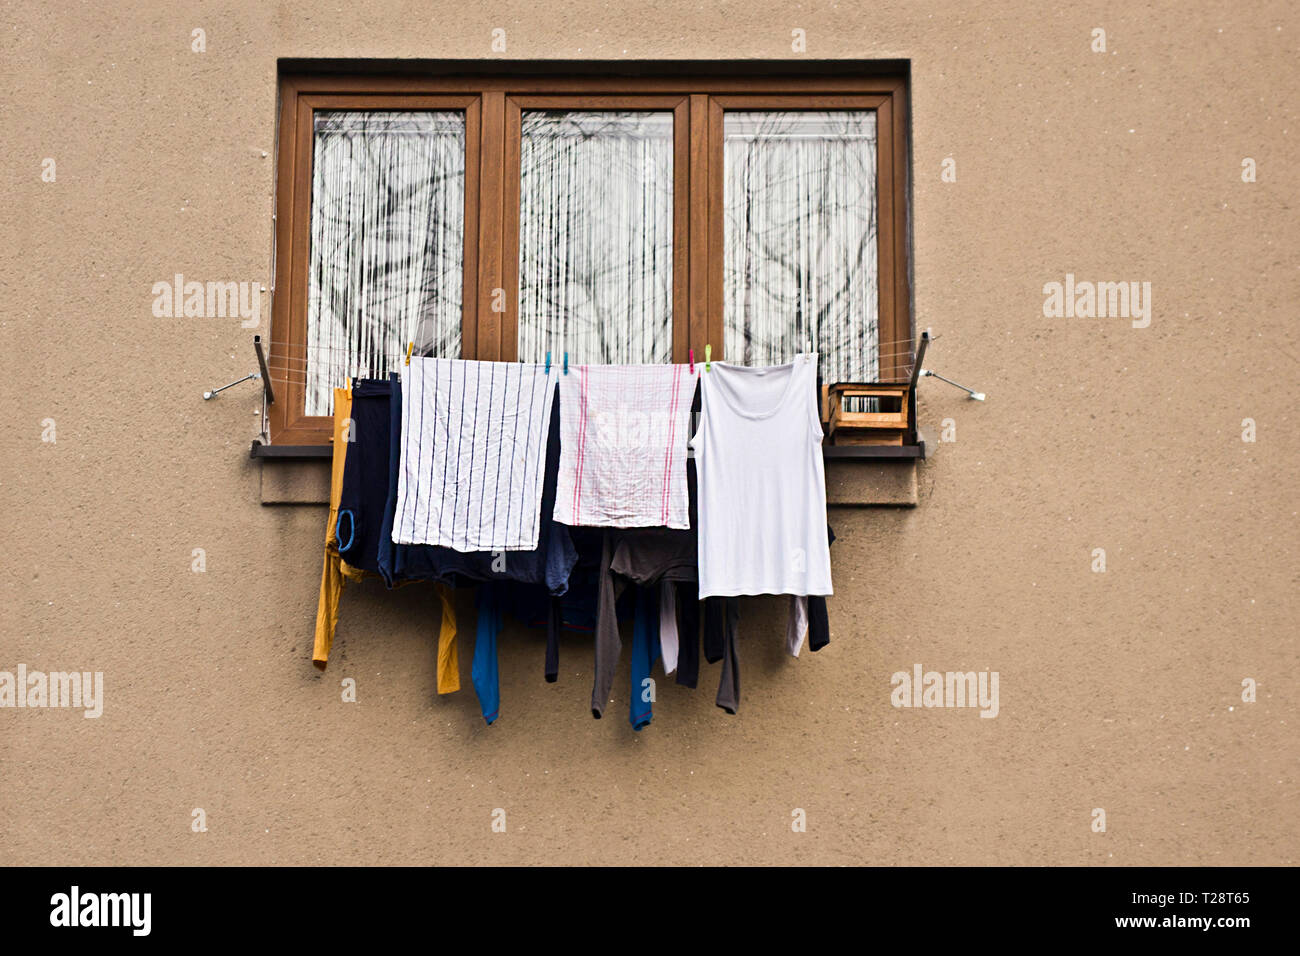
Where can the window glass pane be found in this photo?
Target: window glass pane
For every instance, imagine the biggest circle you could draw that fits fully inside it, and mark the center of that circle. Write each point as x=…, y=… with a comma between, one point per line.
x=387, y=245
x=596, y=236
x=800, y=240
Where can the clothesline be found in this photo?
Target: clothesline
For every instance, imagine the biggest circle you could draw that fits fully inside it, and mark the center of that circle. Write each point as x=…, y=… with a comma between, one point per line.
x=402, y=351
x=299, y=376
x=277, y=364
x=306, y=360
x=291, y=363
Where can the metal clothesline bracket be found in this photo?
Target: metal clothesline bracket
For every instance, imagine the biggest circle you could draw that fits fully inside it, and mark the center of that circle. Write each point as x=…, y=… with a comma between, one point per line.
x=930, y=373
x=918, y=372
x=913, y=431
x=268, y=390
x=214, y=392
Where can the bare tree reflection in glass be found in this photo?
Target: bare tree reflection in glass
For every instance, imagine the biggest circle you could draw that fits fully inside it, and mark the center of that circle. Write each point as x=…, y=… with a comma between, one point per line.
x=800, y=240
x=596, y=236
x=387, y=245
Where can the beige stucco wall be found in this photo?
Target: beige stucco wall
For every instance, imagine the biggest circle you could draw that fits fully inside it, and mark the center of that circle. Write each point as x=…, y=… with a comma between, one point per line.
x=1119, y=691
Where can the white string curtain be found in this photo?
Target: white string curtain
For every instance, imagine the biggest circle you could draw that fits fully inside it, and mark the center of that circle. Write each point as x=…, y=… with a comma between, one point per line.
x=387, y=245
x=800, y=240
x=596, y=236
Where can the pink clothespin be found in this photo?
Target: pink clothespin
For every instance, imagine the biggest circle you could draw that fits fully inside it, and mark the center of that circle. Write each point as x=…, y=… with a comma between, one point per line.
x=692, y=352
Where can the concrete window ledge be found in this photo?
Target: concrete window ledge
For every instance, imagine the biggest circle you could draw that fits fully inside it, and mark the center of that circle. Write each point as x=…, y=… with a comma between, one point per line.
x=295, y=482
x=866, y=482
x=289, y=481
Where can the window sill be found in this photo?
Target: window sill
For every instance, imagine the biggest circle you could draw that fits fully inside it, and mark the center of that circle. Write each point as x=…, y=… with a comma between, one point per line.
x=267, y=452
x=871, y=475
x=874, y=452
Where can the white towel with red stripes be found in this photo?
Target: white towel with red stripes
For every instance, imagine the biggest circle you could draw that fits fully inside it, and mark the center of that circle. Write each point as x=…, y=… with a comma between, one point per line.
x=623, y=435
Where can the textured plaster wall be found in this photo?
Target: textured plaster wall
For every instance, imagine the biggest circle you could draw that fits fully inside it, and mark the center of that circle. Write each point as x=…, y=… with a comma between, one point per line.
x=1119, y=690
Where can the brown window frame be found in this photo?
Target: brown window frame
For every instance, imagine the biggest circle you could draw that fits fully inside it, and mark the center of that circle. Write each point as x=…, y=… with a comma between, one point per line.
x=493, y=104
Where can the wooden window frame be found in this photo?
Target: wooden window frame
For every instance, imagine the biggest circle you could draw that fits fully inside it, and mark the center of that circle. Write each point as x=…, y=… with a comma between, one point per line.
x=288, y=422
x=493, y=104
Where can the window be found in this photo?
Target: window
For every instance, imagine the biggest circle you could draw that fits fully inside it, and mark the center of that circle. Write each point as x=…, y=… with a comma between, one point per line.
x=799, y=239
x=387, y=250
x=596, y=235
x=620, y=220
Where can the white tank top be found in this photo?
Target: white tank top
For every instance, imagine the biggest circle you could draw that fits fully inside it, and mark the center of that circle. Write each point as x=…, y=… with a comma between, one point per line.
x=762, y=483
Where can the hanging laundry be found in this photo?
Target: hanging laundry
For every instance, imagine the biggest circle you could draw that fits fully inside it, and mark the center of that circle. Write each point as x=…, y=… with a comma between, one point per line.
x=796, y=628
x=657, y=558
x=762, y=521
x=649, y=555
x=575, y=609
x=364, y=516
x=448, y=666
x=808, y=622
x=365, y=479
x=668, y=625
x=819, y=628
x=715, y=609
x=550, y=563
x=656, y=561
x=609, y=642
x=808, y=619
x=448, y=661
x=484, y=671
x=645, y=651
x=332, y=574
x=688, y=633
x=473, y=453
x=721, y=643
x=819, y=625
x=729, y=683
x=623, y=447
x=554, y=623
x=662, y=558
x=475, y=456
x=687, y=596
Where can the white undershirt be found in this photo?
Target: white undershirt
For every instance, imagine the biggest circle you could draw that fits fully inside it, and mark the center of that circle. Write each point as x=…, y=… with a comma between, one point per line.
x=762, y=483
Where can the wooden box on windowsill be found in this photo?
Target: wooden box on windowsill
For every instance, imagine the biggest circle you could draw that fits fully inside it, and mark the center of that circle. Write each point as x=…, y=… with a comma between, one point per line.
x=887, y=426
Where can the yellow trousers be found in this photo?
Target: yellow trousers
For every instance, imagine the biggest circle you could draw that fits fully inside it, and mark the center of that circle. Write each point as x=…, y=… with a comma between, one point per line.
x=331, y=576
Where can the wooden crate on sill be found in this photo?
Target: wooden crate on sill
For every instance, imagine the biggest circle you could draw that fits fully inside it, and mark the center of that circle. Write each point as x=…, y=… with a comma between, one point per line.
x=888, y=425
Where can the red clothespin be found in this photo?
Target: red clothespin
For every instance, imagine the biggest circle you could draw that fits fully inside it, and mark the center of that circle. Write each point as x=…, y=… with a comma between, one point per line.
x=692, y=353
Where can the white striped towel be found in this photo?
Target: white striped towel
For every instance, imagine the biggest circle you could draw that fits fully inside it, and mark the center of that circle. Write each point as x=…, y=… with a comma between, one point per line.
x=473, y=454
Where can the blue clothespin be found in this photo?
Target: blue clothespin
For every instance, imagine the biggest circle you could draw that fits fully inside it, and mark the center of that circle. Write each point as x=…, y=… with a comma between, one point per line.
x=566, y=363
x=548, y=363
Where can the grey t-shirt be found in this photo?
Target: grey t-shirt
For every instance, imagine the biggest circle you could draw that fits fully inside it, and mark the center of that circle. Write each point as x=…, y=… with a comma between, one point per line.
x=647, y=555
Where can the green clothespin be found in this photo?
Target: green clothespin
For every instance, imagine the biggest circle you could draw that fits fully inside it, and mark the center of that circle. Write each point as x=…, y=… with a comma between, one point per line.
x=708, y=356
